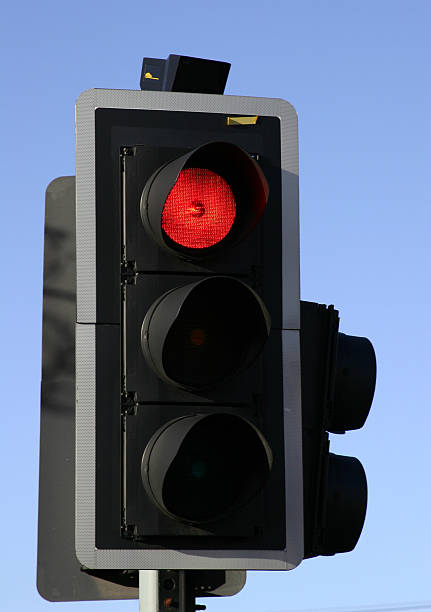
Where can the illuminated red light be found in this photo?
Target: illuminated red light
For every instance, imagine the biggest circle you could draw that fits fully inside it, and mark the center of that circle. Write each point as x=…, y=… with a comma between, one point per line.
x=200, y=209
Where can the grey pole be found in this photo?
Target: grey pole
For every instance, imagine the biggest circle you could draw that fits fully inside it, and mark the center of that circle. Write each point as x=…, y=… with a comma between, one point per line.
x=148, y=590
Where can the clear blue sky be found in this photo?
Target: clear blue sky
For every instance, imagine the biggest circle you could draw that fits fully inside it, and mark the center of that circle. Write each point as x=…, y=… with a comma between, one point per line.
x=358, y=74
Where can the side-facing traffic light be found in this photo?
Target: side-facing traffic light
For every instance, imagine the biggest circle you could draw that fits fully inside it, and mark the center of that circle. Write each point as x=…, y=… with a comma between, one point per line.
x=338, y=375
x=188, y=355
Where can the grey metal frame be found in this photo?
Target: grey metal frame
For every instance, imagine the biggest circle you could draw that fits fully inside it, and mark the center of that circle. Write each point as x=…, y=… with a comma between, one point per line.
x=86, y=550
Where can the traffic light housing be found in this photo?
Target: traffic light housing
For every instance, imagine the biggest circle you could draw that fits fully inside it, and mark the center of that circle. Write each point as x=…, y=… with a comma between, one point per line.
x=338, y=375
x=187, y=337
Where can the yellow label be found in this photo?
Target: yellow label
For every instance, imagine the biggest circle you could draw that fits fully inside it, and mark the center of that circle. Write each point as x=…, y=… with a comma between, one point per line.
x=148, y=75
x=242, y=120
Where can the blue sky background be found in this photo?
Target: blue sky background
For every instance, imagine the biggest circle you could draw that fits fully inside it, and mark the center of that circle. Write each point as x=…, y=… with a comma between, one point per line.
x=357, y=73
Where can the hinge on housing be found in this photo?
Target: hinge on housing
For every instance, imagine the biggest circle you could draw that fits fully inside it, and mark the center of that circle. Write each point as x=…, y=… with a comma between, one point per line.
x=128, y=531
x=128, y=403
x=125, y=152
x=128, y=272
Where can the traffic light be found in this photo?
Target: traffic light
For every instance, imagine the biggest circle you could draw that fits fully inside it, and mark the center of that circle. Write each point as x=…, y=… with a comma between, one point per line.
x=338, y=375
x=188, y=409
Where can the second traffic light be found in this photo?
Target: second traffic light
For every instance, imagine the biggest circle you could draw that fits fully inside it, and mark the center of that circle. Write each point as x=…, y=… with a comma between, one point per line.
x=338, y=375
x=188, y=304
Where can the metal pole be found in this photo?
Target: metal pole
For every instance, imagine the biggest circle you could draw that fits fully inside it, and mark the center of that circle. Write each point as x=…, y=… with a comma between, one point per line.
x=148, y=590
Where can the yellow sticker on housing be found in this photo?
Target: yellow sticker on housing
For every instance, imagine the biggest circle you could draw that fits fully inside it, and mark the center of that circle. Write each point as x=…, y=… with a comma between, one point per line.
x=242, y=120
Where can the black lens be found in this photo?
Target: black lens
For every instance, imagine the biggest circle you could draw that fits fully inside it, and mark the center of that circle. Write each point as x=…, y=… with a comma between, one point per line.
x=221, y=328
x=346, y=504
x=202, y=481
x=354, y=383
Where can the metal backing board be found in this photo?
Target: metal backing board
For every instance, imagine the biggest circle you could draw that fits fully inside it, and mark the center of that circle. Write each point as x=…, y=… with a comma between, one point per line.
x=59, y=573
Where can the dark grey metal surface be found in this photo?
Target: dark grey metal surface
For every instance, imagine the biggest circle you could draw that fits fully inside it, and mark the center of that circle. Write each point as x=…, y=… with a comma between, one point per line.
x=59, y=574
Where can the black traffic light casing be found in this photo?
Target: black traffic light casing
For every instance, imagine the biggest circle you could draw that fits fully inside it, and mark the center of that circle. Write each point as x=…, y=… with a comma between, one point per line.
x=338, y=374
x=187, y=337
